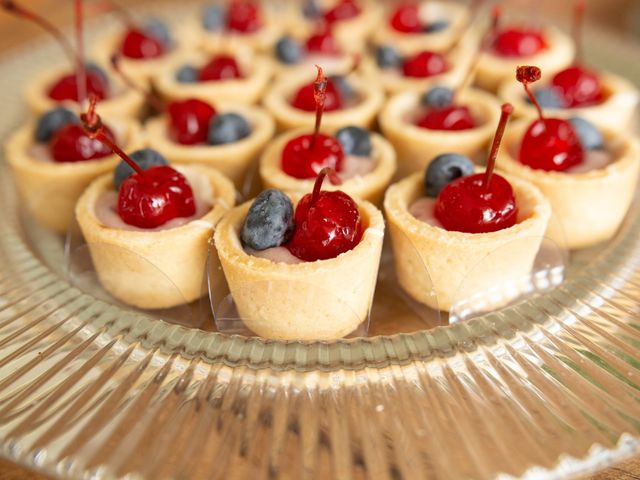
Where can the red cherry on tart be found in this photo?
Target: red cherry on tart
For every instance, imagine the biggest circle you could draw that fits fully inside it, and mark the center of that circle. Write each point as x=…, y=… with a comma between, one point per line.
x=138, y=44
x=189, y=121
x=322, y=42
x=549, y=144
x=304, y=99
x=343, y=10
x=327, y=223
x=483, y=202
x=148, y=198
x=243, y=16
x=451, y=118
x=72, y=144
x=305, y=156
x=221, y=67
x=424, y=64
x=66, y=88
x=406, y=18
x=518, y=42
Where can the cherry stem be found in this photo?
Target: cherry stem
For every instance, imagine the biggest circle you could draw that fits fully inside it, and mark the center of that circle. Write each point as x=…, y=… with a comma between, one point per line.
x=92, y=124
x=526, y=75
x=121, y=12
x=156, y=103
x=578, y=21
x=12, y=7
x=507, y=110
x=81, y=72
x=319, y=95
x=317, y=186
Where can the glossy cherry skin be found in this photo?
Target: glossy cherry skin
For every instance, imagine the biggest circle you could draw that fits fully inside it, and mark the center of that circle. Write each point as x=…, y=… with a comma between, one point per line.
x=66, y=88
x=300, y=160
x=515, y=42
x=424, y=64
x=465, y=205
x=155, y=196
x=578, y=86
x=406, y=18
x=343, y=10
x=322, y=42
x=221, y=67
x=72, y=144
x=304, y=99
x=552, y=145
x=243, y=16
x=327, y=228
x=139, y=45
x=452, y=118
x=189, y=121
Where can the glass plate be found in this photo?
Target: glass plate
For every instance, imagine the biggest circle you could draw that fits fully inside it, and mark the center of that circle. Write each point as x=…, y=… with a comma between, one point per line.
x=87, y=390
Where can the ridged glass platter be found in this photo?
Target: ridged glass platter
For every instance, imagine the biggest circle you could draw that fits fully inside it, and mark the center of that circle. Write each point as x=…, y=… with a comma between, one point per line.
x=548, y=388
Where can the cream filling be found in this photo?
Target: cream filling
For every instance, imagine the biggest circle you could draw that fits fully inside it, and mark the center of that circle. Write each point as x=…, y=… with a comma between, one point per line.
x=276, y=255
x=424, y=210
x=107, y=214
x=356, y=166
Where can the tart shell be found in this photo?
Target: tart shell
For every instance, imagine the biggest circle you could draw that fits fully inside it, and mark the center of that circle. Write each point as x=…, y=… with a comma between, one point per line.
x=321, y=300
x=133, y=265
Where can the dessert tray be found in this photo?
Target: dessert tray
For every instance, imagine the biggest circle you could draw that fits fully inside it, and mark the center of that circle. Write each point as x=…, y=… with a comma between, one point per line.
x=547, y=388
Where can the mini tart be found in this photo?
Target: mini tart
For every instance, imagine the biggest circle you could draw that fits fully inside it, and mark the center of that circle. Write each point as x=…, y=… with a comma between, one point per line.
x=615, y=112
x=430, y=259
x=368, y=187
x=393, y=81
x=352, y=32
x=588, y=207
x=133, y=265
x=256, y=70
x=417, y=146
x=233, y=159
x=124, y=102
x=457, y=16
x=362, y=114
x=50, y=189
x=494, y=69
x=139, y=70
x=321, y=300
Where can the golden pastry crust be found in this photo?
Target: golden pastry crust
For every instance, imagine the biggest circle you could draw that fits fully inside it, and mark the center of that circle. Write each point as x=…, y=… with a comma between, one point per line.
x=493, y=70
x=417, y=146
x=50, y=189
x=615, y=112
x=124, y=102
x=588, y=207
x=322, y=300
x=257, y=70
x=158, y=269
x=368, y=187
x=440, y=268
x=233, y=159
x=456, y=15
x=369, y=101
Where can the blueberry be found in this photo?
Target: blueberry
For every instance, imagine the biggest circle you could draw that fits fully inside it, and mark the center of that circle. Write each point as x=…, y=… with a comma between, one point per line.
x=437, y=97
x=547, y=97
x=289, y=51
x=52, y=121
x=437, y=26
x=187, y=74
x=343, y=86
x=145, y=158
x=94, y=68
x=355, y=141
x=443, y=170
x=158, y=29
x=388, y=57
x=228, y=128
x=310, y=9
x=269, y=222
x=590, y=136
x=213, y=18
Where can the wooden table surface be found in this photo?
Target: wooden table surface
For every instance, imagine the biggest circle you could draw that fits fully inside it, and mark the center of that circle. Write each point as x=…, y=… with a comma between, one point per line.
x=14, y=32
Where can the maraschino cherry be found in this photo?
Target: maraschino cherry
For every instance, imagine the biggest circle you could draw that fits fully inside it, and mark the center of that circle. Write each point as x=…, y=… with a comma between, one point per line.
x=243, y=16
x=577, y=85
x=483, y=202
x=327, y=223
x=220, y=67
x=342, y=10
x=71, y=144
x=424, y=64
x=322, y=42
x=549, y=144
x=68, y=87
x=304, y=156
x=517, y=42
x=305, y=97
x=148, y=198
x=406, y=18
